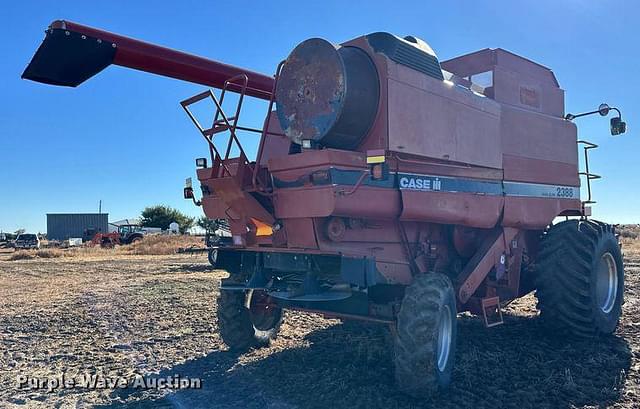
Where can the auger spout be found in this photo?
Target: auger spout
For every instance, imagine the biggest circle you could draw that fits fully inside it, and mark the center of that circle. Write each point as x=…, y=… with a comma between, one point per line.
x=71, y=53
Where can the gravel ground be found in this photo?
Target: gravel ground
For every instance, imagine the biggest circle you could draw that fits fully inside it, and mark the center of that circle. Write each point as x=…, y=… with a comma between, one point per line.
x=154, y=315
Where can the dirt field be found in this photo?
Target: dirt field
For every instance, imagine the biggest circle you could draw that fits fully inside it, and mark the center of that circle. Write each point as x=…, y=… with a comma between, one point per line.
x=128, y=314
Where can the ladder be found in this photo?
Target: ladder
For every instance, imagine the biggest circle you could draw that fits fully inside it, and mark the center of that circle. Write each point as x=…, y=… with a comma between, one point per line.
x=221, y=123
x=588, y=175
x=222, y=164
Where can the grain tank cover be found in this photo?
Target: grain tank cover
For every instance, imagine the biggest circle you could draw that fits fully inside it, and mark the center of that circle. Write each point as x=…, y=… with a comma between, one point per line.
x=327, y=94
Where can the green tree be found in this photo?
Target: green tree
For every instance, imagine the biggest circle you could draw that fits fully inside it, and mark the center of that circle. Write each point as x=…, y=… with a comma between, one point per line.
x=207, y=223
x=211, y=225
x=162, y=216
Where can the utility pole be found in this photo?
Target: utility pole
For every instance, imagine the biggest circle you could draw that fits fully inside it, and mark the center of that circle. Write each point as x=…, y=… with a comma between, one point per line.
x=100, y=207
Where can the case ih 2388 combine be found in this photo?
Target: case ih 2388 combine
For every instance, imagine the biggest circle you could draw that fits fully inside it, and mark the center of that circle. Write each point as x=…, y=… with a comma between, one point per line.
x=387, y=186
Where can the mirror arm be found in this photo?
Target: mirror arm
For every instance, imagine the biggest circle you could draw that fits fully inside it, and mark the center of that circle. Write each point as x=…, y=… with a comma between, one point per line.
x=617, y=125
x=571, y=117
x=618, y=111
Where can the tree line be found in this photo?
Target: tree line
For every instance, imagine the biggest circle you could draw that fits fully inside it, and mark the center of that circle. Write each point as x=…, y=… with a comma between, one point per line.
x=162, y=216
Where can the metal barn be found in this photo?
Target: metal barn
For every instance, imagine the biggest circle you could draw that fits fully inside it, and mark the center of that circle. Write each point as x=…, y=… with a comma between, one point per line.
x=62, y=226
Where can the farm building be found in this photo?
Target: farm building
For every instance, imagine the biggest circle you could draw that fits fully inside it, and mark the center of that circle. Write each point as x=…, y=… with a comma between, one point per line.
x=62, y=226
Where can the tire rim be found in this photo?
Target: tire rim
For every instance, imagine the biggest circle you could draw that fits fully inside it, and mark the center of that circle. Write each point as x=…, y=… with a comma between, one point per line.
x=444, y=339
x=264, y=315
x=607, y=283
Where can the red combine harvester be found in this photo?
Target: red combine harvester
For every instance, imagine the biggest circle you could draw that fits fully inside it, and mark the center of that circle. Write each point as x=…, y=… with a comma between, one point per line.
x=387, y=186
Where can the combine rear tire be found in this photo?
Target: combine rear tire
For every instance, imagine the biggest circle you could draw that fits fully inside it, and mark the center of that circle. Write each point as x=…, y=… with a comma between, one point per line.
x=247, y=319
x=580, y=278
x=425, y=338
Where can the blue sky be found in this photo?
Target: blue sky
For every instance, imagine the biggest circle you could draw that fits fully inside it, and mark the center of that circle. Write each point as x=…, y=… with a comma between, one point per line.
x=122, y=137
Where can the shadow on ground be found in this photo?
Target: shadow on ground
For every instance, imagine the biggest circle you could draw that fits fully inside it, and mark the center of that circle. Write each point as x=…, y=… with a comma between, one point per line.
x=514, y=365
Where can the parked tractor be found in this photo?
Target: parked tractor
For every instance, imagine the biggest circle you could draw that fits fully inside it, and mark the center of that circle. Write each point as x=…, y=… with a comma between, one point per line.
x=126, y=234
x=131, y=233
x=388, y=186
x=105, y=240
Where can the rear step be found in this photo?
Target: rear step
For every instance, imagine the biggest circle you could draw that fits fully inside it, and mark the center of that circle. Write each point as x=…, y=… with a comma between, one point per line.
x=491, y=312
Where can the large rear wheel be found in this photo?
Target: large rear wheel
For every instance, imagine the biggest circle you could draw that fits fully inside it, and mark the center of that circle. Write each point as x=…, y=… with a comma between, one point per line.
x=580, y=278
x=247, y=319
x=425, y=338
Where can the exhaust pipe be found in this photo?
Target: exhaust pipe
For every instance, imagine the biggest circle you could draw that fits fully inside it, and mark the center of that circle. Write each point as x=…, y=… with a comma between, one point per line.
x=72, y=53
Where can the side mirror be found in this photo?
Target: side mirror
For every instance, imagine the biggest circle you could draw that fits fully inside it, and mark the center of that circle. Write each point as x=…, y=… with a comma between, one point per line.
x=188, y=192
x=618, y=126
x=603, y=109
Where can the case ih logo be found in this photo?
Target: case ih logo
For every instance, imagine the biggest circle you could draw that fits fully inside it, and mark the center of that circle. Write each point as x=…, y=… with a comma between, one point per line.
x=420, y=183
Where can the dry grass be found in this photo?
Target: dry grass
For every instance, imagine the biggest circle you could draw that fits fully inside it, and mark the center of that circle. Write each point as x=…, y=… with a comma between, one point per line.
x=630, y=238
x=22, y=255
x=160, y=245
x=50, y=253
x=629, y=231
x=150, y=246
x=44, y=253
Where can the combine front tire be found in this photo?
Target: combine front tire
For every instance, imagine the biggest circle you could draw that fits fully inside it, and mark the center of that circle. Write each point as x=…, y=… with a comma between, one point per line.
x=247, y=319
x=425, y=338
x=580, y=278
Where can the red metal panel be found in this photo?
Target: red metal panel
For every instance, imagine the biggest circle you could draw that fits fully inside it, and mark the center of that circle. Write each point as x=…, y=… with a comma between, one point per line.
x=522, y=169
x=276, y=145
x=414, y=164
x=539, y=148
x=300, y=233
x=304, y=202
x=215, y=208
x=467, y=209
x=377, y=203
x=527, y=92
x=538, y=136
x=239, y=200
x=317, y=158
x=434, y=119
x=324, y=201
x=535, y=213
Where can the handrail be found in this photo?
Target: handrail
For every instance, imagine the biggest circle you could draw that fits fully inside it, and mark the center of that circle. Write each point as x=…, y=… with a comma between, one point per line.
x=205, y=134
x=219, y=125
x=590, y=176
x=223, y=123
x=265, y=129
